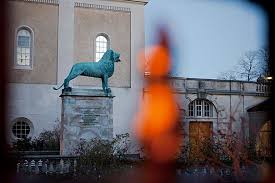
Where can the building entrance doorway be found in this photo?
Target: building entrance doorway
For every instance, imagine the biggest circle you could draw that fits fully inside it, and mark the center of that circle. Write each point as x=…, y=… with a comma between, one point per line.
x=199, y=134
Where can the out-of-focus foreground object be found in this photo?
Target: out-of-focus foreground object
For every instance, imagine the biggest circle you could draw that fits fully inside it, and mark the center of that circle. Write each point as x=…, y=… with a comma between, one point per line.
x=156, y=124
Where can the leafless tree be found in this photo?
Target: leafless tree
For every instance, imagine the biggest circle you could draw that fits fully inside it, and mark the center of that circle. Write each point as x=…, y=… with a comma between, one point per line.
x=264, y=59
x=248, y=66
x=252, y=65
x=228, y=75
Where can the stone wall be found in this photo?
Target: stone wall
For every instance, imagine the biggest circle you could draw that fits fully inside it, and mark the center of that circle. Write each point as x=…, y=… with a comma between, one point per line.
x=86, y=114
x=43, y=20
x=40, y=104
x=37, y=102
x=231, y=100
x=88, y=23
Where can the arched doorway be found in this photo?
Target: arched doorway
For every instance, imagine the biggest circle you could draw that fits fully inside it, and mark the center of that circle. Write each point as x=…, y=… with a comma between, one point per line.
x=202, y=118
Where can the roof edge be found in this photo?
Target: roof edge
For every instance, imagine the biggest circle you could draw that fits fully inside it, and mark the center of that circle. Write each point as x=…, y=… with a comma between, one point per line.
x=143, y=2
x=147, y=74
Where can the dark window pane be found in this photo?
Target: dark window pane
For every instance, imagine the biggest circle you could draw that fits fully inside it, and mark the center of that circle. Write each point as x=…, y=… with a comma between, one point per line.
x=21, y=129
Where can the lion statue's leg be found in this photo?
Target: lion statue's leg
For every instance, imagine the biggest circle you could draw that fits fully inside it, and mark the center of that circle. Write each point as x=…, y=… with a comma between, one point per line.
x=73, y=74
x=105, y=87
x=103, y=84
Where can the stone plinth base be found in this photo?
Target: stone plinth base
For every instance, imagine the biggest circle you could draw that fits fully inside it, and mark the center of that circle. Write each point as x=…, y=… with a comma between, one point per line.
x=86, y=114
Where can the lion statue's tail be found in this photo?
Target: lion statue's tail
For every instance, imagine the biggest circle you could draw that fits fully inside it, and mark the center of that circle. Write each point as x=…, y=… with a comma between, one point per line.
x=58, y=87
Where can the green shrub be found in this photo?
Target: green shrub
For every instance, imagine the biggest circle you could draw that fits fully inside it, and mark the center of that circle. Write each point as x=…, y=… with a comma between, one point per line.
x=99, y=157
x=220, y=150
x=46, y=141
x=24, y=144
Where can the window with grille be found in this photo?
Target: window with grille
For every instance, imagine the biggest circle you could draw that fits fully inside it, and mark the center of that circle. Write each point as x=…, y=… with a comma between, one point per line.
x=102, y=44
x=191, y=109
x=201, y=108
x=21, y=129
x=198, y=107
x=24, y=47
x=206, y=109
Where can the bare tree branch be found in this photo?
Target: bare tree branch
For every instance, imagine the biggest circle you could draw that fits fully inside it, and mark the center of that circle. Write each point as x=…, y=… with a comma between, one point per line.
x=228, y=75
x=248, y=66
x=264, y=61
x=251, y=66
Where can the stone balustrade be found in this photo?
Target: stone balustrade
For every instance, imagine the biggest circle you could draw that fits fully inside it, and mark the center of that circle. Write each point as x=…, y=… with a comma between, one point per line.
x=214, y=86
x=46, y=164
x=263, y=88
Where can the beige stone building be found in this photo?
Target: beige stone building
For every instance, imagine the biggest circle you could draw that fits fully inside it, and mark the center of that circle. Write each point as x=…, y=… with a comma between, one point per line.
x=46, y=37
x=213, y=109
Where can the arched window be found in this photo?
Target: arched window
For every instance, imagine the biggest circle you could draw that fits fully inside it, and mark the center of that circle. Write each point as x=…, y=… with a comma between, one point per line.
x=21, y=128
x=201, y=108
x=24, y=40
x=102, y=43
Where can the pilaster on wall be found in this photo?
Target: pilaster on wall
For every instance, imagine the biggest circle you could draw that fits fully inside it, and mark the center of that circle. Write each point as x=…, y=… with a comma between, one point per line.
x=65, y=38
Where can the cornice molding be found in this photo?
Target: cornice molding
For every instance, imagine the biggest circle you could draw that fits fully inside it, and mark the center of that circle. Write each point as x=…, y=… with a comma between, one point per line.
x=101, y=7
x=143, y=2
x=52, y=2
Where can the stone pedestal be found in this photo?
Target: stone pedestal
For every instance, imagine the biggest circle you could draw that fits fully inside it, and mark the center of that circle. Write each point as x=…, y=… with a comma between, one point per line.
x=86, y=114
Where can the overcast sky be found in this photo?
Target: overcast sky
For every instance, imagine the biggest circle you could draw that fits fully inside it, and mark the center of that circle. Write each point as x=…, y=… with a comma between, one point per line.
x=208, y=37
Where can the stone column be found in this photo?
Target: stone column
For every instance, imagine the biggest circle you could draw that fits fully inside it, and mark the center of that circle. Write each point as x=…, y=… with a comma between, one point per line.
x=86, y=114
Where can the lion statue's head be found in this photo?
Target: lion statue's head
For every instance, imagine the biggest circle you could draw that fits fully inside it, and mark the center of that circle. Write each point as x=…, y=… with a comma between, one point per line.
x=111, y=55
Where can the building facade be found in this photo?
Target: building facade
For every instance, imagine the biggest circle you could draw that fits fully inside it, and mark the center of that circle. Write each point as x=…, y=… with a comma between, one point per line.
x=216, y=108
x=46, y=37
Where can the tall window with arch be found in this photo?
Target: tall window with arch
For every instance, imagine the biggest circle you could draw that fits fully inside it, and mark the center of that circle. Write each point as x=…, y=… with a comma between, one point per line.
x=102, y=44
x=24, y=39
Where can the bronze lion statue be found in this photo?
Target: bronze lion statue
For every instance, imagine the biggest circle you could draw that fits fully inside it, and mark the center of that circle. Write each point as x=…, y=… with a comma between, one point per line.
x=103, y=69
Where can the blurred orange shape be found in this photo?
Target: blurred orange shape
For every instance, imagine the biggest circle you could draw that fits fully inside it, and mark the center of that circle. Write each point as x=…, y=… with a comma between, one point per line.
x=158, y=112
x=158, y=62
x=165, y=147
x=157, y=120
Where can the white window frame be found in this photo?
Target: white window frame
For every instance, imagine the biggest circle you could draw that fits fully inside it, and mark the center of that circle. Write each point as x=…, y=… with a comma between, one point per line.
x=16, y=65
x=198, y=108
x=95, y=44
